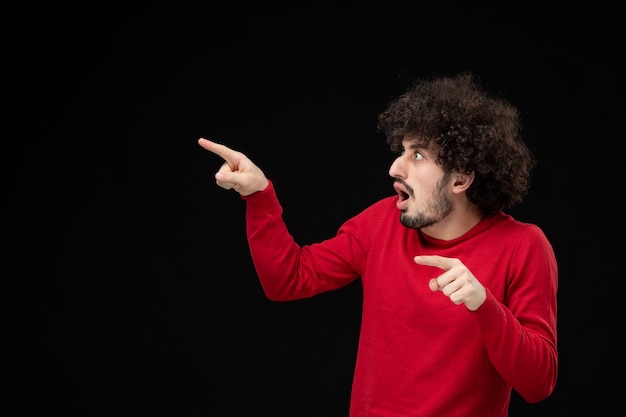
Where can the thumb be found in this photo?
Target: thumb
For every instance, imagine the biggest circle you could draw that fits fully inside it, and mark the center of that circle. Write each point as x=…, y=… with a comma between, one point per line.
x=225, y=180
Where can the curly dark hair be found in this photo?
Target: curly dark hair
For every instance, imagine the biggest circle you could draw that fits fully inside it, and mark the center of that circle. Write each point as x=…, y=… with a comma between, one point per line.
x=472, y=131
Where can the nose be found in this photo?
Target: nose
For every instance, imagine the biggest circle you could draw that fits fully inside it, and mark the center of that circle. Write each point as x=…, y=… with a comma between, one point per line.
x=396, y=170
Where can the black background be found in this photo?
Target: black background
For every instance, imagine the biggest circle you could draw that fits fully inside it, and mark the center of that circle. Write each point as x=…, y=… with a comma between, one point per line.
x=132, y=288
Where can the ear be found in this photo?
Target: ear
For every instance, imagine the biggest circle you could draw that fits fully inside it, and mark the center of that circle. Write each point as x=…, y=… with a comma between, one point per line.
x=462, y=182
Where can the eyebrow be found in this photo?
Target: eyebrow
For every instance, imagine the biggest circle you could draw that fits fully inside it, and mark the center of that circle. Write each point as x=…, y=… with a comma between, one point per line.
x=414, y=145
x=423, y=148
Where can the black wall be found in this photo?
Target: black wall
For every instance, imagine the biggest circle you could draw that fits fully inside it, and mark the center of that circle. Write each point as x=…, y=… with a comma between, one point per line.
x=132, y=288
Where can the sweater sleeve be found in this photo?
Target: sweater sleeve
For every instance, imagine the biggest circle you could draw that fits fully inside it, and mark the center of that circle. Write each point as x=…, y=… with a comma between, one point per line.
x=286, y=270
x=520, y=335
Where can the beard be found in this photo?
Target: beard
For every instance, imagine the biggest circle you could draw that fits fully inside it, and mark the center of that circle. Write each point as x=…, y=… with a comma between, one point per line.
x=438, y=208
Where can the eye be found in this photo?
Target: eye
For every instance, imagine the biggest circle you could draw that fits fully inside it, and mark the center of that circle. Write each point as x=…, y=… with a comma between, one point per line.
x=418, y=156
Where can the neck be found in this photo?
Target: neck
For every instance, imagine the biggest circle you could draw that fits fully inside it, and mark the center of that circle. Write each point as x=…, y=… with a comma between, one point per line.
x=456, y=224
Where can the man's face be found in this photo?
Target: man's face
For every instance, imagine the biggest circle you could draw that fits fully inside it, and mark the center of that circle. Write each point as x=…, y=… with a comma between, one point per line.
x=422, y=186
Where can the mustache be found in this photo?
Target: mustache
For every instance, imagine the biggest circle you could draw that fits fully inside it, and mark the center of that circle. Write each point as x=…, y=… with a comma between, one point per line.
x=406, y=186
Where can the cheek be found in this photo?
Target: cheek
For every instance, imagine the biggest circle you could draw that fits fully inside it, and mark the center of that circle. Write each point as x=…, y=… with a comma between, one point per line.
x=425, y=178
x=425, y=185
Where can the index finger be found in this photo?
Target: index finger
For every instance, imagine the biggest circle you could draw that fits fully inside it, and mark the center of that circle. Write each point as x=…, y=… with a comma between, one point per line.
x=434, y=260
x=217, y=148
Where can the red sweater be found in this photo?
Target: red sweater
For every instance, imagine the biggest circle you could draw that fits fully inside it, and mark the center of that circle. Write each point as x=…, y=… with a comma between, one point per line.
x=419, y=354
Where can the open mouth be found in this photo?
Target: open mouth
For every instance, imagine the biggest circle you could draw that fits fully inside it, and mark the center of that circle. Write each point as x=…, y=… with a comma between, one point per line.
x=401, y=190
x=403, y=195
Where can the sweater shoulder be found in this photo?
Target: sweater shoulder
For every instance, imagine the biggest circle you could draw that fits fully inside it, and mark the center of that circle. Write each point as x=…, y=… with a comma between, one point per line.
x=507, y=221
x=378, y=210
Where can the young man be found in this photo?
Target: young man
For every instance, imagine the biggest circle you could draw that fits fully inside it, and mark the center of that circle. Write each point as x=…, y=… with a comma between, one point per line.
x=459, y=298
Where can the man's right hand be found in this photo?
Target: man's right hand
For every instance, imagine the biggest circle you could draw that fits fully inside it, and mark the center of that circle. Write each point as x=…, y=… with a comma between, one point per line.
x=238, y=172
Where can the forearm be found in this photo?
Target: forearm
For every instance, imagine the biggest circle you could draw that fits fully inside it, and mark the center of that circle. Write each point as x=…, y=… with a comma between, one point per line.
x=525, y=355
x=286, y=270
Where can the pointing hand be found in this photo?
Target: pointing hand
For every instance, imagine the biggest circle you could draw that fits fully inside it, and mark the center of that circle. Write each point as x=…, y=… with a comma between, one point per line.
x=457, y=282
x=238, y=172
